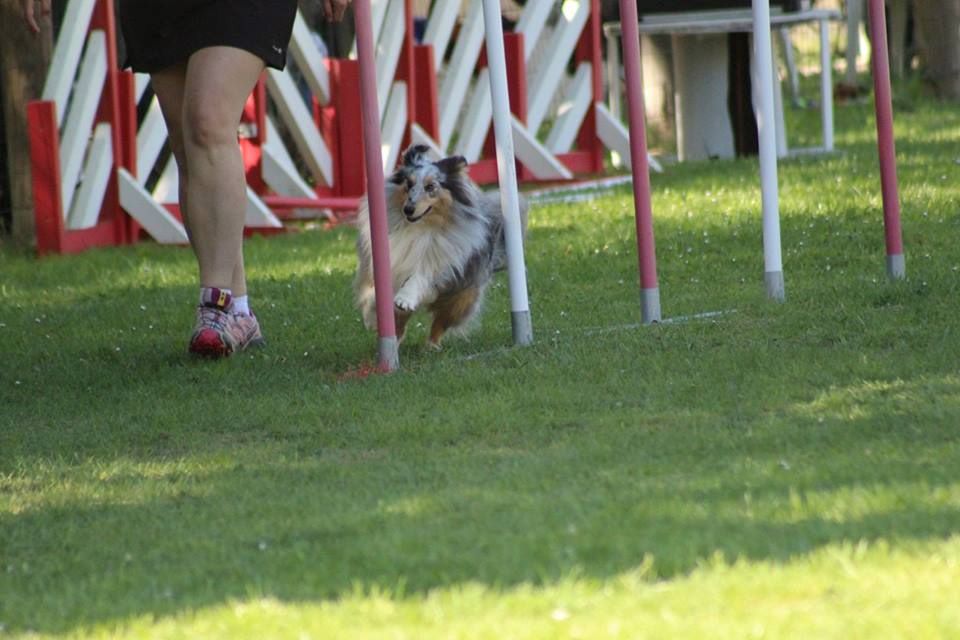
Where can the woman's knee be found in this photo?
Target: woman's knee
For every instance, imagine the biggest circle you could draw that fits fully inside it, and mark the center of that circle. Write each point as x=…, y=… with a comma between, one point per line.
x=218, y=83
x=207, y=125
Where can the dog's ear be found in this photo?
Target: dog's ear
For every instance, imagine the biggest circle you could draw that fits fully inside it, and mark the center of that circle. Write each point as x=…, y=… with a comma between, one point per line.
x=398, y=177
x=415, y=155
x=452, y=165
x=455, y=179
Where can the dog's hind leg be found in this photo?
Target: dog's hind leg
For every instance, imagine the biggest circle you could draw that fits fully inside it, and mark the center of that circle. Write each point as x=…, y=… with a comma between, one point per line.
x=365, y=293
x=367, y=302
x=452, y=311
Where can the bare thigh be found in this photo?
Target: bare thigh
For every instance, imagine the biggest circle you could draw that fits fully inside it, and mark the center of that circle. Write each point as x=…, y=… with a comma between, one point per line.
x=218, y=82
x=205, y=97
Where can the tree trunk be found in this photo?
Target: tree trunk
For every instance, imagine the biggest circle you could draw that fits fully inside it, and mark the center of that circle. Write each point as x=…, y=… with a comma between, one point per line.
x=938, y=31
x=658, y=91
x=24, y=58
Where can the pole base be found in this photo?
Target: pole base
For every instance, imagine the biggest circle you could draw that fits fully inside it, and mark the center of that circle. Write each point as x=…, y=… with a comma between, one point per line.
x=775, y=287
x=522, y=328
x=896, y=267
x=650, y=305
x=389, y=354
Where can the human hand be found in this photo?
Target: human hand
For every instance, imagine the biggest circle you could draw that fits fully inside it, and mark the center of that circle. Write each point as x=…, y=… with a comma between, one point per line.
x=29, y=7
x=332, y=9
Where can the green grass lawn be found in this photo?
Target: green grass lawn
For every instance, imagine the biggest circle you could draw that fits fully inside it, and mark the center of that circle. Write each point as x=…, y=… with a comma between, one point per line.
x=779, y=470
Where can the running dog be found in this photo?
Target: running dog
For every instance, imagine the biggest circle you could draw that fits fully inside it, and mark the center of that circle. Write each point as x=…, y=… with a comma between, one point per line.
x=446, y=241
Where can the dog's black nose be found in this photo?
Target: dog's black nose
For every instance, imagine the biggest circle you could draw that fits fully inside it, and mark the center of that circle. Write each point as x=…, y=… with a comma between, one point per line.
x=409, y=210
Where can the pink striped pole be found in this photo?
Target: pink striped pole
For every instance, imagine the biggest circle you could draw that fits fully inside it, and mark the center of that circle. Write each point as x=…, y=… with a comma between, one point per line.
x=896, y=264
x=646, y=248
x=389, y=355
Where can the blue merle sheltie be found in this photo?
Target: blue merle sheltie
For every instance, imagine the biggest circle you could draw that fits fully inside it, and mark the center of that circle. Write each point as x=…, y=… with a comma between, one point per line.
x=446, y=241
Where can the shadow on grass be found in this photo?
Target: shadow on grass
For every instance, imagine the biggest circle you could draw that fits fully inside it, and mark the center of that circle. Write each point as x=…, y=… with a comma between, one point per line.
x=312, y=512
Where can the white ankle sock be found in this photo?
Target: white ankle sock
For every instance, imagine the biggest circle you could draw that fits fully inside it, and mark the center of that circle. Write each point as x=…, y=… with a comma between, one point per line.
x=241, y=305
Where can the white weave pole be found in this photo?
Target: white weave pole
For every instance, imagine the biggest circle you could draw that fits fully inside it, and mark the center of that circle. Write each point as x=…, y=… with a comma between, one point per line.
x=507, y=172
x=763, y=99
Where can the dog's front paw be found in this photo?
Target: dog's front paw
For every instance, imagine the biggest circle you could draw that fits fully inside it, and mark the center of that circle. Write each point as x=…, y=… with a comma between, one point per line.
x=403, y=302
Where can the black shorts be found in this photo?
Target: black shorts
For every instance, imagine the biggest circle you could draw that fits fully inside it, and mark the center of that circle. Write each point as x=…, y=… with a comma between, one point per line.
x=161, y=33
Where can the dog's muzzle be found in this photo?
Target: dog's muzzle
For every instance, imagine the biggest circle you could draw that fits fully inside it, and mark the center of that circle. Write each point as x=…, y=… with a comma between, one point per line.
x=410, y=213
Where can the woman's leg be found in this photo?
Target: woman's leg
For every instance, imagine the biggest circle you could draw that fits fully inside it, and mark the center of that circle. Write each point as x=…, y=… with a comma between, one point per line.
x=169, y=85
x=218, y=81
x=202, y=101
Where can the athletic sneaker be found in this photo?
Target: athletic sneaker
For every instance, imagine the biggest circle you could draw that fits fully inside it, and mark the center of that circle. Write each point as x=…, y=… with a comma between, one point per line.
x=219, y=331
x=212, y=337
x=245, y=331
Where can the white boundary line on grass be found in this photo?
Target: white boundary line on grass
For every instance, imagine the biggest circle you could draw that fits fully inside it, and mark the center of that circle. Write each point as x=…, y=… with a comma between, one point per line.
x=576, y=193
x=706, y=315
x=593, y=331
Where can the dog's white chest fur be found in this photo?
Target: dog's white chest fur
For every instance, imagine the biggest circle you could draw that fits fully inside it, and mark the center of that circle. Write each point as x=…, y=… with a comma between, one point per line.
x=428, y=253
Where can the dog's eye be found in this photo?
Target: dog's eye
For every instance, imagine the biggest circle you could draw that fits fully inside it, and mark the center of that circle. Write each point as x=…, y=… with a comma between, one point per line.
x=431, y=188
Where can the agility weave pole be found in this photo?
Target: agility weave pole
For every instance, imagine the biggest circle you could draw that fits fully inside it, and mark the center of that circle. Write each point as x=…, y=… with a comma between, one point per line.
x=507, y=172
x=767, y=129
x=896, y=263
x=389, y=353
x=646, y=247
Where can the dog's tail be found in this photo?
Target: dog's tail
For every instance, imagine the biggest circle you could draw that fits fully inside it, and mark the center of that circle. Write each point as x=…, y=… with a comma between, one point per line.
x=500, y=247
